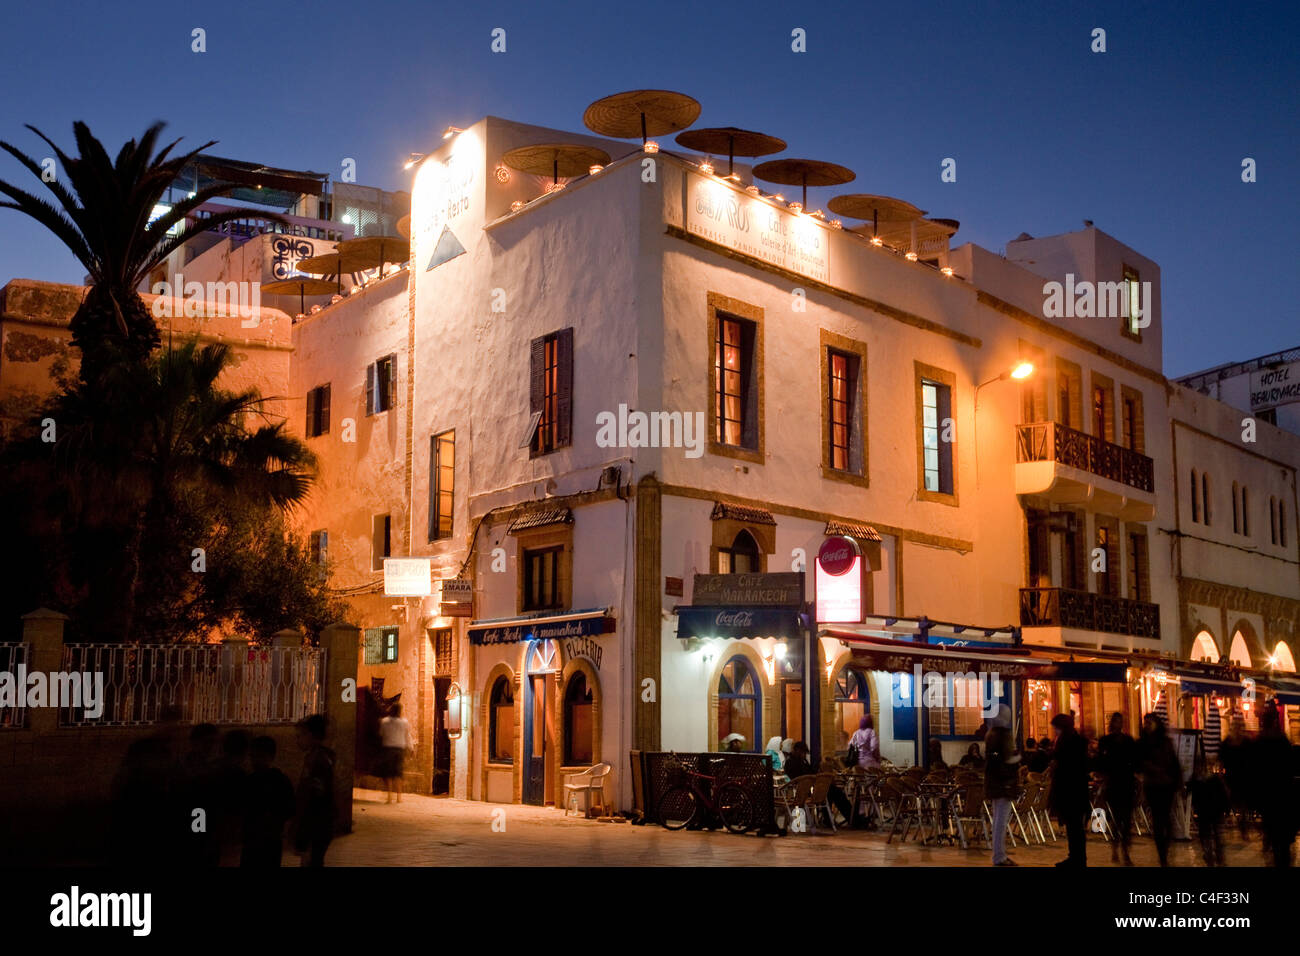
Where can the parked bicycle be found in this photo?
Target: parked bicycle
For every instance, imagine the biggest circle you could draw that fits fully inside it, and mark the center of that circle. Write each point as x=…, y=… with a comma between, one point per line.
x=698, y=797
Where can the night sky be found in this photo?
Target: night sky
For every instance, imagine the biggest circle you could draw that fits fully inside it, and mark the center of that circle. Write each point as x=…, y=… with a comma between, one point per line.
x=1146, y=139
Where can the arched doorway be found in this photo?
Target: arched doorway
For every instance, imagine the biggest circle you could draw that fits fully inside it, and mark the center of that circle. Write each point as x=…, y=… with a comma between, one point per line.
x=852, y=702
x=1204, y=648
x=1281, y=658
x=740, y=704
x=1239, y=653
x=543, y=663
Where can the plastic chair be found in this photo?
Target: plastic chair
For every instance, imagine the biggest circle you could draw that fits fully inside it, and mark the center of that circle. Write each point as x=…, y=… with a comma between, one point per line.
x=590, y=786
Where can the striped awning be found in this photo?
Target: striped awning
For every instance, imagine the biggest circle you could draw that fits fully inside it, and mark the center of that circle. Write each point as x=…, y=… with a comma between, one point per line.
x=1162, y=706
x=1213, y=727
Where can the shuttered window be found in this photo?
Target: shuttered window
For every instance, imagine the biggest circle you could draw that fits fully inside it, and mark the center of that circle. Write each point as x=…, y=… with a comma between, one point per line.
x=318, y=411
x=381, y=541
x=442, y=482
x=550, y=393
x=381, y=385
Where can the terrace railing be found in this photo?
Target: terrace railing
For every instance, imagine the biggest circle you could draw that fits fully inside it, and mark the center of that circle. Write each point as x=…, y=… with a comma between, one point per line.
x=1063, y=607
x=233, y=683
x=1052, y=441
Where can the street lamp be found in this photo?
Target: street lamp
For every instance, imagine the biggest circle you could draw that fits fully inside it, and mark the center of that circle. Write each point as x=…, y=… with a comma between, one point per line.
x=1020, y=371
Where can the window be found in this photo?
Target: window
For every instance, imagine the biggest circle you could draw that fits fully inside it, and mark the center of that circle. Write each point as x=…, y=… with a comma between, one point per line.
x=542, y=579
x=381, y=645
x=936, y=432
x=852, y=701
x=578, y=727
x=1272, y=520
x=1132, y=427
x=734, y=374
x=735, y=370
x=742, y=557
x=318, y=411
x=1138, y=570
x=1236, y=510
x=738, y=704
x=550, y=392
x=843, y=407
x=1100, y=411
x=1133, y=298
x=444, y=663
x=1069, y=394
x=381, y=541
x=1106, y=577
x=1281, y=522
x=501, y=722
x=1245, y=511
x=1267, y=415
x=318, y=543
x=442, y=481
x=961, y=713
x=1205, y=498
x=381, y=385
x=1196, y=499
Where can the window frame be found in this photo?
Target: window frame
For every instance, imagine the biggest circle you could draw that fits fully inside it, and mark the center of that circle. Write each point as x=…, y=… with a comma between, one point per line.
x=318, y=412
x=721, y=308
x=550, y=393
x=376, y=557
x=381, y=390
x=436, y=490
x=494, y=702
x=937, y=377
x=556, y=552
x=568, y=756
x=1130, y=276
x=831, y=345
x=756, y=743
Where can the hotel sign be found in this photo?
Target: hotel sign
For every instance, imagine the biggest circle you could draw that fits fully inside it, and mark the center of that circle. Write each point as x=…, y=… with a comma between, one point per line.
x=456, y=598
x=407, y=577
x=1271, y=387
x=747, y=224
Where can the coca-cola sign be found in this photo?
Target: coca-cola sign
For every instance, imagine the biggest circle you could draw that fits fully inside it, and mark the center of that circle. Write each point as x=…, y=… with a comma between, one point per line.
x=734, y=619
x=837, y=554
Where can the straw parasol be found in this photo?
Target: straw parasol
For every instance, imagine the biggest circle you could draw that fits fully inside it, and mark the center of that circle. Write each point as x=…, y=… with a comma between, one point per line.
x=303, y=285
x=374, y=252
x=874, y=209
x=732, y=141
x=804, y=173
x=404, y=226
x=555, y=159
x=641, y=113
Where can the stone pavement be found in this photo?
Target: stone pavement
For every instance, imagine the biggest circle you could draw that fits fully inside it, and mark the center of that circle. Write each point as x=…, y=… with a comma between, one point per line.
x=439, y=831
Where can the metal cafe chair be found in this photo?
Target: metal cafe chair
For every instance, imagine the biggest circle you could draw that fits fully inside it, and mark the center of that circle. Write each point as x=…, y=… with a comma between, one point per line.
x=793, y=794
x=905, y=804
x=819, y=799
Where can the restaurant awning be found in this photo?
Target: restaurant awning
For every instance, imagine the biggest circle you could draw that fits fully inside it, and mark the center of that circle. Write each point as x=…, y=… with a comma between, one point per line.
x=1009, y=663
x=704, y=621
x=513, y=630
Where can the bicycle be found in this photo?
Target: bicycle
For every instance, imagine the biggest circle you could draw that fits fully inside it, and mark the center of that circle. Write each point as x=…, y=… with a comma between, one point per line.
x=684, y=804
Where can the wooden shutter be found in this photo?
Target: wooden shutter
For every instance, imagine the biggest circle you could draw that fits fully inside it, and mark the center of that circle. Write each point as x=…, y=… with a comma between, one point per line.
x=323, y=409
x=370, y=388
x=564, y=387
x=536, y=384
x=374, y=645
x=311, y=413
x=433, y=488
x=392, y=380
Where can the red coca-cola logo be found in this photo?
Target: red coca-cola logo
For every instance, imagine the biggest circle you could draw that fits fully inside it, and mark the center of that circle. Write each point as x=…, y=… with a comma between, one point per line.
x=837, y=554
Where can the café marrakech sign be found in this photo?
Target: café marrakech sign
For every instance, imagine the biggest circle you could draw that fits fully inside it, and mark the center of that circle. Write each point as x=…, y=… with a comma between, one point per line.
x=747, y=224
x=781, y=589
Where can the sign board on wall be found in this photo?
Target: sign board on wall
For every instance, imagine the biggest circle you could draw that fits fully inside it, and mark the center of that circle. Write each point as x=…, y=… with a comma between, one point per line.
x=407, y=577
x=456, y=597
x=747, y=224
x=1271, y=387
x=840, y=582
x=781, y=589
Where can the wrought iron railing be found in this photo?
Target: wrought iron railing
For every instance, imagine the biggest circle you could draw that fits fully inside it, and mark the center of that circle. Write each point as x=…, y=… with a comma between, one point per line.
x=1052, y=441
x=1063, y=607
x=13, y=716
x=197, y=683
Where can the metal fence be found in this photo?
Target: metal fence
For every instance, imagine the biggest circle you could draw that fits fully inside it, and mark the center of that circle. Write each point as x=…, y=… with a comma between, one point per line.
x=197, y=683
x=12, y=656
x=659, y=771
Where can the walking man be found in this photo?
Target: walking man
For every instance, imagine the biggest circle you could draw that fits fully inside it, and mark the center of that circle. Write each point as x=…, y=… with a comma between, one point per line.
x=1001, y=774
x=1069, y=793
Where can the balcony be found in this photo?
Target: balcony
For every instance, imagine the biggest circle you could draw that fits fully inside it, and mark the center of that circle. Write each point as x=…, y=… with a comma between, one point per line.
x=1070, y=468
x=1084, y=611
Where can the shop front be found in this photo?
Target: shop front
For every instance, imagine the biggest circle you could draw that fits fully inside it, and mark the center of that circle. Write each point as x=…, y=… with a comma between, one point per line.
x=541, y=717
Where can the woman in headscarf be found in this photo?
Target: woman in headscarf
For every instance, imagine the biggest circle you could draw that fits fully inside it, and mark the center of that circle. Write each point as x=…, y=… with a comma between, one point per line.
x=866, y=742
x=773, y=750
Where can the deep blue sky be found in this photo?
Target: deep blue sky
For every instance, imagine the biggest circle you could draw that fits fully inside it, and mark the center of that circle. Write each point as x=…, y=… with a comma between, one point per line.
x=1146, y=139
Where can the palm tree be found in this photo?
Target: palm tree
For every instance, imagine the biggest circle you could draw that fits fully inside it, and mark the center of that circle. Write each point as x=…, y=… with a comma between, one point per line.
x=152, y=453
x=102, y=213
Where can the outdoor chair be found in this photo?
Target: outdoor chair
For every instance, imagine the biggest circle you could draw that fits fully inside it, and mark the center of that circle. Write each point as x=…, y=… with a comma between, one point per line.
x=794, y=794
x=972, y=808
x=905, y=803
x=589, y=785
x=819, y=799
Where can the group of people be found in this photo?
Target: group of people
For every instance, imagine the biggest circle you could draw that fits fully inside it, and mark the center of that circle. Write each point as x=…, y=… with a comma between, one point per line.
x=222, y=799
x=1260, y=776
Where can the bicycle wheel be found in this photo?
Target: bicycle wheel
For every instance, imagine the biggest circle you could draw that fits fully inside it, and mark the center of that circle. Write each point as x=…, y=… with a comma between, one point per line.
x=677, y=807
x=735, y=807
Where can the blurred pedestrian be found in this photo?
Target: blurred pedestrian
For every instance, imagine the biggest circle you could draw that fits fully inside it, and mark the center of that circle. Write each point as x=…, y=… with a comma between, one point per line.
x=268, y=805
x=1068, y=795
x=1162, y=779
x=1209, y=804
x=1276, y=793
x=315, y=794
x=395, y=734
x=1001, y=777
x=1117, y=763
x=1234, y=758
